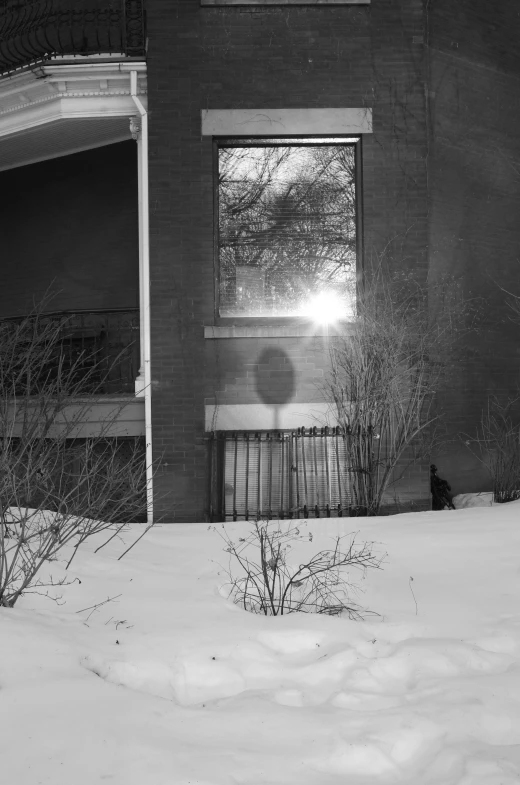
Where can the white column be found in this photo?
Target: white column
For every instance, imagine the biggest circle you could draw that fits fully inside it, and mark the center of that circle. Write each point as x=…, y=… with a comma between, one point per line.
x=143, y=385
x=135, y=130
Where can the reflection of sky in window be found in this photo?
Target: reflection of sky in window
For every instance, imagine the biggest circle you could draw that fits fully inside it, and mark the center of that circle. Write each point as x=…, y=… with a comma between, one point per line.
x=286, y=164
x=258, y=275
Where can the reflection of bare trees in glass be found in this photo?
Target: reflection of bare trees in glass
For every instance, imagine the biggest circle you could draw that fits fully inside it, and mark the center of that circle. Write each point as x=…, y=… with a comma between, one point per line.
x=286, y=225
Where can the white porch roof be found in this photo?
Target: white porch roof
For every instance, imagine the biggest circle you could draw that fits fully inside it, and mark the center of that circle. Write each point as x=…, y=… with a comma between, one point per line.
x=56, y=109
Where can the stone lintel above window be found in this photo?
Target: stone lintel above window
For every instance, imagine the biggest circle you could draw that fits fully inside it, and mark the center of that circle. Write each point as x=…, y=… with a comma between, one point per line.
x=286, y=122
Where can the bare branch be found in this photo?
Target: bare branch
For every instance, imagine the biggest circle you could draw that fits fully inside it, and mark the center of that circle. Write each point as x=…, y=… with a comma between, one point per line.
x=56, y=488
x=273, y=587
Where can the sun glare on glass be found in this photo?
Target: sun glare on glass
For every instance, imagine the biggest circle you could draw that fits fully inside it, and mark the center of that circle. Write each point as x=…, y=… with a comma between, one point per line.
x=325, y=308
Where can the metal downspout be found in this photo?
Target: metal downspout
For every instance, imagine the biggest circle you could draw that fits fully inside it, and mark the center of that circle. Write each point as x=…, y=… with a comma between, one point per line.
x=144, y=242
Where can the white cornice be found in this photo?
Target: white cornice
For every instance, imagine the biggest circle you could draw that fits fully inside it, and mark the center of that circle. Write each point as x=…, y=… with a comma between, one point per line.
x=61, y=108
x=55, y=90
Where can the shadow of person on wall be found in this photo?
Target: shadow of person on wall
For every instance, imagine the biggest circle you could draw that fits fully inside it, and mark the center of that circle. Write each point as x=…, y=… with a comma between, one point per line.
x=275, y=380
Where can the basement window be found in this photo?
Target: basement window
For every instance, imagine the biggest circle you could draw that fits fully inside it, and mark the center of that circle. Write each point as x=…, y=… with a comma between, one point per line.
x=287, y=227
x=282, y=474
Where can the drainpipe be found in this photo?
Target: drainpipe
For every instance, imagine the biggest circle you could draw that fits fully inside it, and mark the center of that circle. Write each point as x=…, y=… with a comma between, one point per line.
x=143, y=383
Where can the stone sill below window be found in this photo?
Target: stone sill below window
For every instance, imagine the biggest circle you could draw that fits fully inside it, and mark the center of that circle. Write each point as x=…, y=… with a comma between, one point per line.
x=291, y=330
x=283, y=2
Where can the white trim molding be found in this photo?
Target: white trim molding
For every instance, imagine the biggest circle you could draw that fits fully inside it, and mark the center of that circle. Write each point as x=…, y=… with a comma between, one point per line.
x=108, y=417
x=286, y=122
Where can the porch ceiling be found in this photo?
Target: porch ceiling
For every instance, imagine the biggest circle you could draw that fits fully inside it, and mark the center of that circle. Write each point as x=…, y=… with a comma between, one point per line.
x=61, y=137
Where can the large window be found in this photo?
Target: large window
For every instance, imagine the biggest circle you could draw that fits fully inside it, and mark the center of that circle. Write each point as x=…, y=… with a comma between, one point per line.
x=286, y=227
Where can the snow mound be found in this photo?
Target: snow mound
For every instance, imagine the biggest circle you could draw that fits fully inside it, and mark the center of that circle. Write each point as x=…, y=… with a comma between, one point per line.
x=144, y=673
x=464, y=500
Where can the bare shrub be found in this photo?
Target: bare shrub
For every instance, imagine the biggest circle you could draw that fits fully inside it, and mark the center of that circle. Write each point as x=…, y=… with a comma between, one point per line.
x=497, y=447
x=386, y=370
x=57, y=487
x=269, y=584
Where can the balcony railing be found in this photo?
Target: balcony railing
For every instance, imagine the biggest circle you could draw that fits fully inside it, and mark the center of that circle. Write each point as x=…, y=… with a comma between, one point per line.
x=34, y=31
x=97, y=350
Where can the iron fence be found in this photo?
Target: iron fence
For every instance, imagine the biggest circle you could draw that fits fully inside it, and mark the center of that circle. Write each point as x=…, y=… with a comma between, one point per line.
x=99, y=350
x=33, y=31
x=282, y=474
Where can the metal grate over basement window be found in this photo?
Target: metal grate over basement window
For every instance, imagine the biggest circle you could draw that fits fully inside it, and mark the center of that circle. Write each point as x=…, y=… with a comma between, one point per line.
x=281, y=474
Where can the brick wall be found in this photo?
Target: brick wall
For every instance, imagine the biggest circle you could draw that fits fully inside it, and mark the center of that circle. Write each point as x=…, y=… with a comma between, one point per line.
x=409, y=489
x=259, y=370
x=70, y=225
x=475, y=205
x=290, y=57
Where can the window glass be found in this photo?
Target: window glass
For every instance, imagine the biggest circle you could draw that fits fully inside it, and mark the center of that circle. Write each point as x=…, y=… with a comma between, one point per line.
x=286, y=227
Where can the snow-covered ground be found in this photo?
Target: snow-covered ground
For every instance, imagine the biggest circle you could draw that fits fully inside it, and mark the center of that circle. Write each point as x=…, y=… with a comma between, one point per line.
x=169, y=683
x=464, y=500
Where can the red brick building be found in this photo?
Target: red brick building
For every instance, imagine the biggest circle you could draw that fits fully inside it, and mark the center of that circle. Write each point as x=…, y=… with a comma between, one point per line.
x=130, y=143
